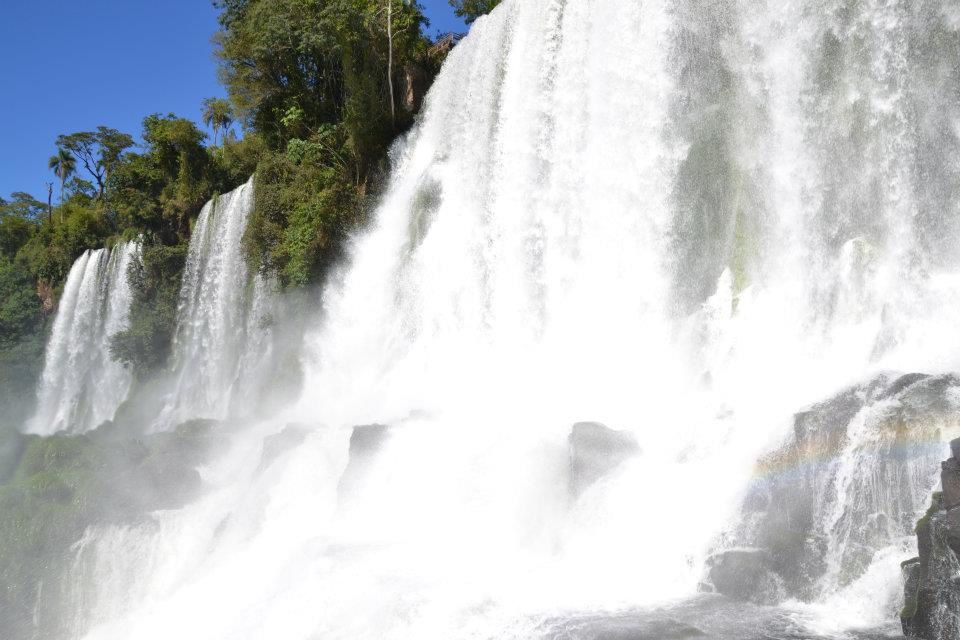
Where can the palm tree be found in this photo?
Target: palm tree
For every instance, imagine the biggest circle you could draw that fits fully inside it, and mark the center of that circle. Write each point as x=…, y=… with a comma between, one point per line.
x=64, y=165
x=217, y=115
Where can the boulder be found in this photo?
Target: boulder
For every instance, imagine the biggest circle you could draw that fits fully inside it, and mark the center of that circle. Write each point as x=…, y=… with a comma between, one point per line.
x=596, y=450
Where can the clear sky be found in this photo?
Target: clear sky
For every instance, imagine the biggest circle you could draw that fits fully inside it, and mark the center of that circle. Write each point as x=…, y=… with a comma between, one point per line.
x=69, y=66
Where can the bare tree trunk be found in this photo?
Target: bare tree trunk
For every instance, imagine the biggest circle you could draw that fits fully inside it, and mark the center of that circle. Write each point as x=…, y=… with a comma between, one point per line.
x=393, y=115
x=49, y=202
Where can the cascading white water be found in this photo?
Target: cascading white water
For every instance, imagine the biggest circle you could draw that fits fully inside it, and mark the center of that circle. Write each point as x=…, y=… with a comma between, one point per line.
x=684, y=219
x=82, y=385
x=212, y=345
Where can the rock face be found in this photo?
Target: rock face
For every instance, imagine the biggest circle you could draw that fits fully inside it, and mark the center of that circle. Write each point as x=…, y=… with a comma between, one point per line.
x=415, y=85
x=596, y=450
x=932, y=581
x=365, y=442
x=744, y=574
x=849, y=481
x=274, y=446
x=46, y=295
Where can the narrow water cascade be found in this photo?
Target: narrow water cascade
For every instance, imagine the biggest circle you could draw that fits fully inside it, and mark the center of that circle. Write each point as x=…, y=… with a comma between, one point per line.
x=82, y=385
x=658, y=295
x=217, y=337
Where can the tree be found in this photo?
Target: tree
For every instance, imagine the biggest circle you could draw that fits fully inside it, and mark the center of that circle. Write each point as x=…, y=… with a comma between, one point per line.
x=217, y=114
x=470, y=10
x=323, y=61
x=163, y=187
x=99, y=151
x=63, y=165
x=18, y=220
x=393, y=102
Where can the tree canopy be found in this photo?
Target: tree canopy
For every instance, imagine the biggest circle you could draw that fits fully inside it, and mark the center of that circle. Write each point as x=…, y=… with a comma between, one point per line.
x=470, y=10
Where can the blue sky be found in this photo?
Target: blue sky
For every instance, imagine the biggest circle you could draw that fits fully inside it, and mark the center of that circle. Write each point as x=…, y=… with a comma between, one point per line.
x=69, y=66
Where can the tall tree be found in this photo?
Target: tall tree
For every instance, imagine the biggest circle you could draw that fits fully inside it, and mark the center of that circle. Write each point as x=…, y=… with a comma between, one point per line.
x=218, y=115
x=293, y=66
x=99, y=151
x=393, y=102
x=63, y=165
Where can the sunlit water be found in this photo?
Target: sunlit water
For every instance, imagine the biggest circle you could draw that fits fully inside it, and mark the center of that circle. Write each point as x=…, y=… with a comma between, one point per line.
x=686, y=220
x=82, y=385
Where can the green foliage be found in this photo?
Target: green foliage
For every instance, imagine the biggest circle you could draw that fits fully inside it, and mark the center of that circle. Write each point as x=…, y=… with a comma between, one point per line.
x=291, y=66
x=18, y=221
x=163, y=188
x=20, y=309
x=470, y=10
x=306, y=203
x=155, y=283
x=51, y=250
x=310, y=77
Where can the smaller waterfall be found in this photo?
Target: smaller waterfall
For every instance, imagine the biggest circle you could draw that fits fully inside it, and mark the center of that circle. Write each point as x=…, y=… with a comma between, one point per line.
x=221, y=319
x=82, y=386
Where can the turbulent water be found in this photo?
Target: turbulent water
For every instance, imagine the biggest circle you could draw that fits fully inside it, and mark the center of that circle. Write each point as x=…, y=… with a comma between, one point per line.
x=82, y=385
x=687, y=220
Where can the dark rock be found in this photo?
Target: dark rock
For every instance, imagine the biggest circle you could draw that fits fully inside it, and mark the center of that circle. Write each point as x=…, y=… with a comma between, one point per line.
x=277, y=444
x=415, y=84
x=744, y=574
x=596, y=450
x=365, y=442
x=950, y=480
x=931, y=608
x=902, y=383
x=955, y=448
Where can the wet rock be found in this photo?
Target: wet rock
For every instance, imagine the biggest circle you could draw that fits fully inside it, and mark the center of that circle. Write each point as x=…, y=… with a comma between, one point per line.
x=744, y=574
x=950, y=481
x=596, y=450
x=277, y=444
x=883, y=431
x=365, y=442
x=931, y=608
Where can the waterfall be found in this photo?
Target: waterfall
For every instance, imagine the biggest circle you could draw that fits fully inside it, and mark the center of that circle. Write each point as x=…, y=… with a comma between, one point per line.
x=686, y=220
x=82, y=386
x=212, y=346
